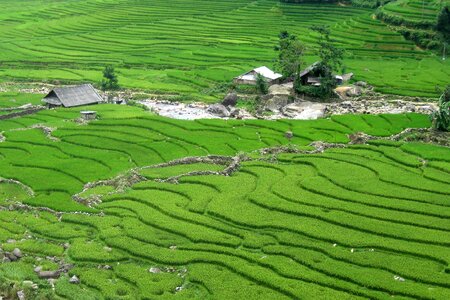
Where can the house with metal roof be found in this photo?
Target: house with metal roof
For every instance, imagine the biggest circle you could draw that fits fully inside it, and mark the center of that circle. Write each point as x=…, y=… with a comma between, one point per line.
x=250, y=77
x=72, y=96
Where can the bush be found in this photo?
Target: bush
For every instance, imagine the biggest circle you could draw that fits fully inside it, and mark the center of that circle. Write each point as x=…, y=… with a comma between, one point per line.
x=441, y=117
x=261, y=84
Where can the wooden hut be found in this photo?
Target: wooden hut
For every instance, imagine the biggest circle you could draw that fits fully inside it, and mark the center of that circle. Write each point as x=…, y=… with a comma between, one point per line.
x=311, y=76
x=72, y=96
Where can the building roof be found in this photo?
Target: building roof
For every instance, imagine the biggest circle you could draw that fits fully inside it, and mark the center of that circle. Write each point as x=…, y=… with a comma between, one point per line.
x=264, y=71
x=73, y=96
x=309, y=69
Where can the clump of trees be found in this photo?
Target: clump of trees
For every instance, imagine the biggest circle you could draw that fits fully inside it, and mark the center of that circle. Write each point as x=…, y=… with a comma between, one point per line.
x=443, y=28
x=290, y=53
x=290, y=60
x=109, y=81
x=441, y=118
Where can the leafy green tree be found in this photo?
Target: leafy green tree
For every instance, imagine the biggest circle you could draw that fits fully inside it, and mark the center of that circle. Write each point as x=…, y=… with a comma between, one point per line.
x=261, y=84
x=443, y=23
x=330, y=61
x=443, y=28
x=109, y=81
x=441, y=118
x=290, y=52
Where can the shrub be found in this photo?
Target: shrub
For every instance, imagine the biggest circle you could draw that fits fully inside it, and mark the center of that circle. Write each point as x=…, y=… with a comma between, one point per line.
x=441, y=117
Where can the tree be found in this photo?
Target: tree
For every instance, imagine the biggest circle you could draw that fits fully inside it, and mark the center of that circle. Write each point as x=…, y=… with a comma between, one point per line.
x=290, y=52
x=261, y=84
x=441, y=118
x=443, y=28
x=109, y=81
x=443, y=23
x=330, y=61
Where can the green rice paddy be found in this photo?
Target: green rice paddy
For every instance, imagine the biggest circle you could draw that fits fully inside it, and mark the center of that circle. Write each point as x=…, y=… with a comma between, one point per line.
x=188, y=47
x=363, y=221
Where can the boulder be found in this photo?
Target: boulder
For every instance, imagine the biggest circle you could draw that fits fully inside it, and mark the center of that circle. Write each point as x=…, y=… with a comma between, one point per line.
x=154, y=270
x=289, y=135
x=354, y=92
x=17, y=252
x=49, y=274
x=361, y=84
x=230, y=99
x=21, y=295
x=234, y=112
x=218, y=110
x=11, y=256
x=286, y=89
x=275, y=102
x=74, y=280
x=304, y=110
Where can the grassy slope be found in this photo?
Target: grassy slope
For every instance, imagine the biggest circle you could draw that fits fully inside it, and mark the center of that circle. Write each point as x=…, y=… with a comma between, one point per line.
x=188, y=46
x=336, y=225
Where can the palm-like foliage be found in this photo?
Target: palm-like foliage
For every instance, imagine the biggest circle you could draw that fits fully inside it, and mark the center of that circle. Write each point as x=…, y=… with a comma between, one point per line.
x=441, y=117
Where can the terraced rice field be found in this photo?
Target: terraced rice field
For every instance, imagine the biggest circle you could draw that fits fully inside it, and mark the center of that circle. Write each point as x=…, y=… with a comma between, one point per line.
x=415, y=10
x=188, y=47
x=358, y=221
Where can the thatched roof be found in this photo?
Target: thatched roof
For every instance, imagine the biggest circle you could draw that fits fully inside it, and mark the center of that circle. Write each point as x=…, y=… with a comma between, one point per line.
x=73, y=96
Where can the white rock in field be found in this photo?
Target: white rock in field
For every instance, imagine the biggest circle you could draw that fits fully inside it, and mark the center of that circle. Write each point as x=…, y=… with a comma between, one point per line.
x=334, y=245
x=74, y=280
x=17, y=252
x=398, y=278
x=353, y=250
x=38, y=269
x=21, y=295
x=154, y=270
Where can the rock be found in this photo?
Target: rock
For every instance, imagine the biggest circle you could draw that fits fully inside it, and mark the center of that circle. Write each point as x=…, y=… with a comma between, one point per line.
x=31, y=284
x=154, y=270
x=74, y=280
x=230, y=99
x=275, y=102
x=11, y=256
x=219, y=110
x=304, y=110
x=38, y=269
x=21, y=295
x=234, y=112
x=17, y=252
x=65, y=268
x=286, y=89
x=361, y=84
x=354, y=92
x=49, y=274
x=289, y=135
x=398, y=278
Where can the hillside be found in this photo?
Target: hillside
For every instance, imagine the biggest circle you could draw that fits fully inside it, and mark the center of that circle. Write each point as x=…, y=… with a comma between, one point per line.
x=190, y=47
x=354, y=221
x=417, y=20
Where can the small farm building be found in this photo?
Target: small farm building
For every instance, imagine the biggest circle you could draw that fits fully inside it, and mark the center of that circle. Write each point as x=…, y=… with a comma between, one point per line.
x=72, y=96
x=311, y=76
x=250, y=77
